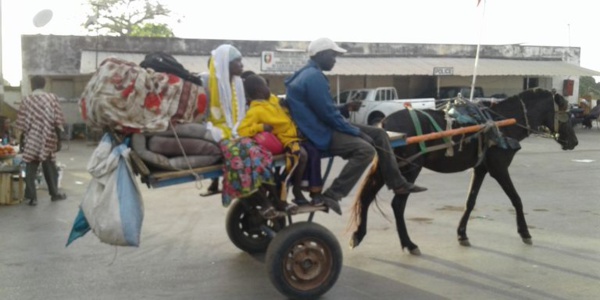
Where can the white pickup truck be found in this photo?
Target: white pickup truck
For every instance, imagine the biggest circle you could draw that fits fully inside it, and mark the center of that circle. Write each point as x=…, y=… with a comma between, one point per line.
x=378, y=103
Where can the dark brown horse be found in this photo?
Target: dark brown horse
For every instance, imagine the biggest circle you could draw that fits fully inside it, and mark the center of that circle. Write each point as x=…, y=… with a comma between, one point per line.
x=533, y=109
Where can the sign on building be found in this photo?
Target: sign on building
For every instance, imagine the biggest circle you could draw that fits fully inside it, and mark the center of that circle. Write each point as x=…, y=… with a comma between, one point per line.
x=282, y=61
x=443, y=71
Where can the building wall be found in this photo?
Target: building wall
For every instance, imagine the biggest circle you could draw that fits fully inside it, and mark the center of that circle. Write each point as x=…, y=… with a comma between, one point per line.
x=12, y=96
x=346, y=83
x=494, y=85
x=71, y=111
x=377, y=81
x=58, y=58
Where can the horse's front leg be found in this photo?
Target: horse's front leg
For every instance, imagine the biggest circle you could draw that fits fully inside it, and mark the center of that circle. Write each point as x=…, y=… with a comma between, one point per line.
x=479, y=173
x=503, y=177
x=372, y=183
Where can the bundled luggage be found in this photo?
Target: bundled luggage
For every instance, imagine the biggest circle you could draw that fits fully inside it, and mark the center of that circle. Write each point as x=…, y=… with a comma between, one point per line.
x=159, y=103
x=128, y=98
x=163, y=62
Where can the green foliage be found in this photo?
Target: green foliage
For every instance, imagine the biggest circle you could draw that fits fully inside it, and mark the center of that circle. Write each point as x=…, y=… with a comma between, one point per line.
x=588, y=86
x=127, y=18
x=152, y=30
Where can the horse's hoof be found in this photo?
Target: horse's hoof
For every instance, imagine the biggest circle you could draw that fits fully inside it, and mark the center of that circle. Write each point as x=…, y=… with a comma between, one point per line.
x=415, y=251
x=527, y=241
x=354, y=242
x=464, y=242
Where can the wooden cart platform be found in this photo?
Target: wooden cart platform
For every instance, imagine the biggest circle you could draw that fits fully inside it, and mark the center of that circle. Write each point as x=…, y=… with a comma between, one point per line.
x=158, y=179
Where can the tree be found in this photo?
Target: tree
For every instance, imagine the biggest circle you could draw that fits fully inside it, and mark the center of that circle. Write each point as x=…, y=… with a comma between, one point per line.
x=152, y=30
x=127, y=18
x=588, y=87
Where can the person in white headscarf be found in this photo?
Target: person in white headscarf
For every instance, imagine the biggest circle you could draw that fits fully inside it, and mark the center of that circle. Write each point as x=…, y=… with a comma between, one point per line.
x=246, y=165
x=225, y=90
x=226, y=97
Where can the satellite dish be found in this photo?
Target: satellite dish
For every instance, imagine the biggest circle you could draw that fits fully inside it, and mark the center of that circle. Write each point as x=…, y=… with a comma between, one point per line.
x=42, y=18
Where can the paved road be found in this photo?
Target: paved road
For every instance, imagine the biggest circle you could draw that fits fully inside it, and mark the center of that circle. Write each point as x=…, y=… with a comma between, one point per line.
x=185, y=252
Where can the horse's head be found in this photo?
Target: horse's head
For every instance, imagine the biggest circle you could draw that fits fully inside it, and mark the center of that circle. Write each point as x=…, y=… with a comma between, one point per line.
x=546, y=111
x=560, y=123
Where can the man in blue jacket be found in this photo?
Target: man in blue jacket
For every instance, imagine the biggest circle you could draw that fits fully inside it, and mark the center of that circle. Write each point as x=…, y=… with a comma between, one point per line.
x=313, y=109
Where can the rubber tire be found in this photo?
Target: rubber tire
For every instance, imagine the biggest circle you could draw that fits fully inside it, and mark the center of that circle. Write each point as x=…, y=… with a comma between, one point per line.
x=279, y=255
x=375, y=119
x=243, y=226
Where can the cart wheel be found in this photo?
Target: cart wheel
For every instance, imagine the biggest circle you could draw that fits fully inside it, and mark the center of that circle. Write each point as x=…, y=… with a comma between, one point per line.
x=304, y=260
x=244, y=224
x=375, y=118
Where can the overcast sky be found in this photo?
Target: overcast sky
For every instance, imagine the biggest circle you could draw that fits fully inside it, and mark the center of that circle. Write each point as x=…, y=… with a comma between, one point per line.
x=529, y=22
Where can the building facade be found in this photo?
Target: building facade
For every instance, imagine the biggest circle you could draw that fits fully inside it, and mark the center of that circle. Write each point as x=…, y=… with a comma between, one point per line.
x=415, y=70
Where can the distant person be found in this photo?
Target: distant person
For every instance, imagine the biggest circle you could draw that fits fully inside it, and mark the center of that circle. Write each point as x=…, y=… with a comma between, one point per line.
x=585, y=105
x=593, y=115
x=312, y=108
x=7, y=134
x=39, y=119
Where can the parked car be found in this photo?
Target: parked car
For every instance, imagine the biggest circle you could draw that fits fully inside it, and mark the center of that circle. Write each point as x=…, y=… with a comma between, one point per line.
x=378, y=103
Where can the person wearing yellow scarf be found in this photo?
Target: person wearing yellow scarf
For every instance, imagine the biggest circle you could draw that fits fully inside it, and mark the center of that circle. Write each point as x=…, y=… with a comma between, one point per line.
x=226, y=97
x=247, y=168
x=226, y=92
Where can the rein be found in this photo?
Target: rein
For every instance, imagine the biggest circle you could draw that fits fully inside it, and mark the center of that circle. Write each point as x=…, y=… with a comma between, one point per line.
x=525, y=116
x=557, y=116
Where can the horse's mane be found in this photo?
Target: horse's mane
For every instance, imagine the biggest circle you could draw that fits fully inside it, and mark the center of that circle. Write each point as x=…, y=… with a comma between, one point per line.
x=536, y=102
x=535, y=94
x=529, y=98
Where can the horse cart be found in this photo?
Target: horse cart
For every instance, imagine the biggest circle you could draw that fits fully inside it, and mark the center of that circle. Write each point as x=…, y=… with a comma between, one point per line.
x=303, y=258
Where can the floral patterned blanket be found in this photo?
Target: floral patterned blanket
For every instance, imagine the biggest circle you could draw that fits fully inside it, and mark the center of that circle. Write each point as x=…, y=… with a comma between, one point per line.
x=246, y=167
x=128, y=98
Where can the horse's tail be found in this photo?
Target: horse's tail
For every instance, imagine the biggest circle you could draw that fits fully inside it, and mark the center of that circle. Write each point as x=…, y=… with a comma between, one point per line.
x=366, y=187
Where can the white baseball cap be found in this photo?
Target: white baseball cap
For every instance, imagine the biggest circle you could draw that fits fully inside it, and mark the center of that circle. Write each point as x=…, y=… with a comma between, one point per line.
x=323, y=44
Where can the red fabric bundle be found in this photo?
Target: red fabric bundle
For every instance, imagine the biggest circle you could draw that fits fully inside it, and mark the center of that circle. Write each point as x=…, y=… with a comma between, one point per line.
x=269, y=141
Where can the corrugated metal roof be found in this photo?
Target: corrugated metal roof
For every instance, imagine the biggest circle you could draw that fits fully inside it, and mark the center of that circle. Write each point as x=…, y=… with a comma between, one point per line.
x=461, y=66
x=385, y=65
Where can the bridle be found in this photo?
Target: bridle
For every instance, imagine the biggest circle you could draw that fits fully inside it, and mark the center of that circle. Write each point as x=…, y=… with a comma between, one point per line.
x=560, y=116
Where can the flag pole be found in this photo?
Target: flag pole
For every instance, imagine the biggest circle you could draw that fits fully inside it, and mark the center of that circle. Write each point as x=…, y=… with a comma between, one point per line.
x=477, y=51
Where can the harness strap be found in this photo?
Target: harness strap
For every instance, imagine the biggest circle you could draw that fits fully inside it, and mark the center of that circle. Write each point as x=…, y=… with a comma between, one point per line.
x=419, y=130
x=408, y=160
x=525, y=116
x=449, y=150
x=556, y=110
